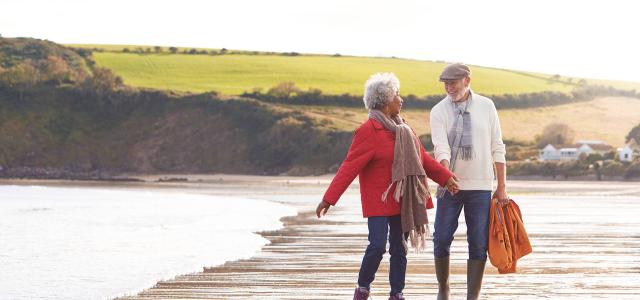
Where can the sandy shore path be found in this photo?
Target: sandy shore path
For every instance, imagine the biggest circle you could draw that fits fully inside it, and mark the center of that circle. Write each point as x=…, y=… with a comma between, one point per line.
x=585, y=238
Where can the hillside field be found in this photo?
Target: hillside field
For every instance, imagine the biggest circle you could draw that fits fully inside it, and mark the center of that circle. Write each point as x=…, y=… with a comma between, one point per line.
x=234, y=74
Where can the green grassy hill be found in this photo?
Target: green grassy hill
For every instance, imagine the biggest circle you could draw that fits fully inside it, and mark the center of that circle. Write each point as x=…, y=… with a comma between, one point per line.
x=235, y=73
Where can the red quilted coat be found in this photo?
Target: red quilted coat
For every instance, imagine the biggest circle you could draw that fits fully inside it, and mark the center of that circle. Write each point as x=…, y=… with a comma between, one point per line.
x=371, y=156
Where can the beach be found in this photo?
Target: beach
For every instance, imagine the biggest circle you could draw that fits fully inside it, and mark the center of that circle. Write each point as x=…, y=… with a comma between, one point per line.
x=584, y=237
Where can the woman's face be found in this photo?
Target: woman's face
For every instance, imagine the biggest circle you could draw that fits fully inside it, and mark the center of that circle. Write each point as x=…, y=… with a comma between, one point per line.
x=395, y=105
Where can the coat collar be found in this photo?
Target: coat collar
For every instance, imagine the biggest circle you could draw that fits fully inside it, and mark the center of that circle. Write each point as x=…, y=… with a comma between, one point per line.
x=376, y=125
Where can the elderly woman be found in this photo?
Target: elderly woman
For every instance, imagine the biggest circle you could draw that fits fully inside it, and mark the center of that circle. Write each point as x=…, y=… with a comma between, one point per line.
x=393, y=166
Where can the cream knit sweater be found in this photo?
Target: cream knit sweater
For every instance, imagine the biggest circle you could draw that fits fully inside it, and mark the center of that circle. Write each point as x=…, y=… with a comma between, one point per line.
x=477, y=173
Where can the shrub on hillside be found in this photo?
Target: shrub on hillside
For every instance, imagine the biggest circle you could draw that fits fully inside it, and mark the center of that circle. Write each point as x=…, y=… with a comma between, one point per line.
x=283, y=90
x=634, y=134
x=517, y=152
x=523, y=168
x=524, y=100
x=555, y=133
x=57, y=70
x=633, y=171
x=103, y=82
x=612, y=168
x=22, y=76
x=572, y=168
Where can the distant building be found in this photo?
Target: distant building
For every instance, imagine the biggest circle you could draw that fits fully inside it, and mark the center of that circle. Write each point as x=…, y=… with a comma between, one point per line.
x=573, y=151
x=629, y=152
x=625, y=153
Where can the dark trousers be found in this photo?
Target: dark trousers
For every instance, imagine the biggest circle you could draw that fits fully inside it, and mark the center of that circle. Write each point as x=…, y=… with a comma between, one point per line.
x=476, y=206
x=379, y=229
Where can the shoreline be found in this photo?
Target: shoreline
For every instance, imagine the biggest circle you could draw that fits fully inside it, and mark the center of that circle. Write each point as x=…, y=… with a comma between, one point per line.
x=227, y=177
x=207, y=183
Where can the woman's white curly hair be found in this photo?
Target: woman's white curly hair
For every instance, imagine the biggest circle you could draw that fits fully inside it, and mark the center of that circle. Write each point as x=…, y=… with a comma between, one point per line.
x=380, y=89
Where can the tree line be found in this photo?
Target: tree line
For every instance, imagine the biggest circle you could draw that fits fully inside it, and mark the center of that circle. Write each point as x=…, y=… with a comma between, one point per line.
x=289, y=93
x=180, y=50
x=592, y=166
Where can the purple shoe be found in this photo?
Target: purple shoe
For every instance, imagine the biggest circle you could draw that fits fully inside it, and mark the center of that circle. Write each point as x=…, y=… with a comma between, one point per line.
x=397, y=296
x=361, y=294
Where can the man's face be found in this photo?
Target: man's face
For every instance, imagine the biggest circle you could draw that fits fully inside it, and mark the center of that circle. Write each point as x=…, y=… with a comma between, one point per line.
x=457, y=89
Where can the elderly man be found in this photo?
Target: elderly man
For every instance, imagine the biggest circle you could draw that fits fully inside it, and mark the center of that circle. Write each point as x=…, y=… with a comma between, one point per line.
x=467, y=139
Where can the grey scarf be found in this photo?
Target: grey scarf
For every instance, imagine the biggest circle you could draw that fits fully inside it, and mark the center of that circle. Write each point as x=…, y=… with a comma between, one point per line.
x=409, y=176
x=460, y=133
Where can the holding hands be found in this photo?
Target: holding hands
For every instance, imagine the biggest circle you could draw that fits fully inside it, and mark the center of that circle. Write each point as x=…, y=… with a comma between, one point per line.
x=452, y=185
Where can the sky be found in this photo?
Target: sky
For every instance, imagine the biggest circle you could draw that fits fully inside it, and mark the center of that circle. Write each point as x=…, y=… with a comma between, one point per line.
x=582, y=38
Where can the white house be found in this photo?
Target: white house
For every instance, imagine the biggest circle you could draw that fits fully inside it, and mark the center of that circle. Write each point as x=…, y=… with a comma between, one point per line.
x=630, y=151
x=573, y=152
x=625, y=153
x=558, y=152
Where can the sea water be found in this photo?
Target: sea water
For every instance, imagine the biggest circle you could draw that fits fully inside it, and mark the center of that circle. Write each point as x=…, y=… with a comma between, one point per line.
x=90, y=243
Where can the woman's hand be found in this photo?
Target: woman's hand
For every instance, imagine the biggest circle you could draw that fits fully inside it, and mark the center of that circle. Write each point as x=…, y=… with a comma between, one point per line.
x=322, y=208
x=452, y=185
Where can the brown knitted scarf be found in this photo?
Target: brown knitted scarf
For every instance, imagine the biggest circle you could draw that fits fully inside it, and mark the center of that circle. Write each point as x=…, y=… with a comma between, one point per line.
x=409, y=176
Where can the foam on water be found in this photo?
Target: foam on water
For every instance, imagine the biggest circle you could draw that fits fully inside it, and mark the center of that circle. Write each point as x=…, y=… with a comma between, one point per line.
x=81, y=243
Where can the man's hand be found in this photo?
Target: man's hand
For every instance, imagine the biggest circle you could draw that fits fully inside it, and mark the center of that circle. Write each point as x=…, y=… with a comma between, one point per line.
x=452, y=185
x=322, y=208
x=501, y=195
x=501, y=190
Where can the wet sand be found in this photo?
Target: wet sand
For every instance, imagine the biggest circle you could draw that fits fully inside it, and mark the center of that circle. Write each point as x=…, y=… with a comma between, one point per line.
x=585, y=240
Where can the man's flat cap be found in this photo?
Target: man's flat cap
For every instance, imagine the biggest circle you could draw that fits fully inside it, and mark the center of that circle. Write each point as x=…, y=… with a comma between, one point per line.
x=455, y=72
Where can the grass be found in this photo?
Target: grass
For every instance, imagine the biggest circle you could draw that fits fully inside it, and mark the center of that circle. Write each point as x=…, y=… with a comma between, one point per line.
x=587, y=119
x=235, y=74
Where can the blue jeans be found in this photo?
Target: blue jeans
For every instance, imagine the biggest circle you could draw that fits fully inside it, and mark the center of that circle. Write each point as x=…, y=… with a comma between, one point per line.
x=476, y=206
x=379, y=227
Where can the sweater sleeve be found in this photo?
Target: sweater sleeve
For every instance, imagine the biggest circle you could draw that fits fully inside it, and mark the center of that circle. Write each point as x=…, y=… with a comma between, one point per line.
x=434, y=169
x=441, y=148
x=360, y=153
x=498, y=149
